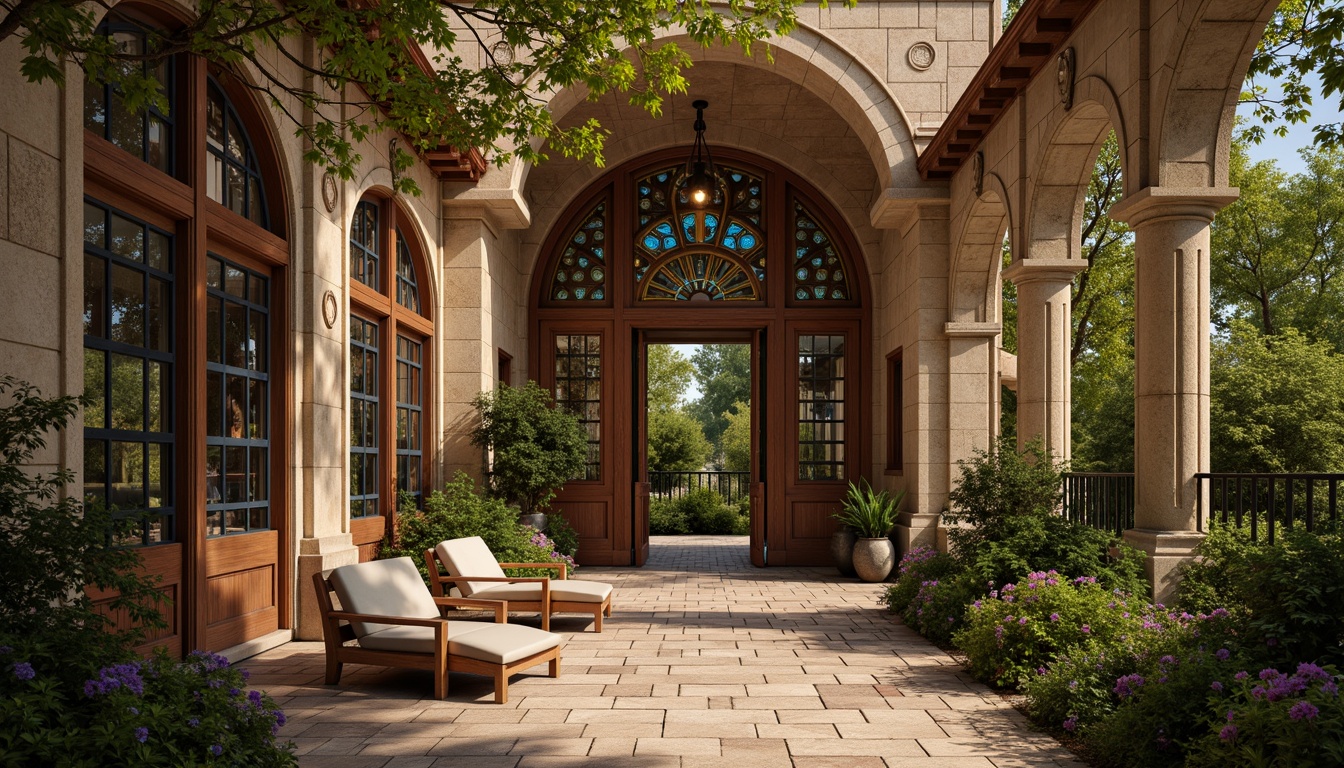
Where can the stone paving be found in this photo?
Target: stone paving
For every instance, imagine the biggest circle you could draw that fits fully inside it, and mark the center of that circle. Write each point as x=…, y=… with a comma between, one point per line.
x=706, y=661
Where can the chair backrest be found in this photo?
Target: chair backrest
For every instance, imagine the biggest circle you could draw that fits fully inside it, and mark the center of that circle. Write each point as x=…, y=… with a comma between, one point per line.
x=469, y=557
x=383, y=588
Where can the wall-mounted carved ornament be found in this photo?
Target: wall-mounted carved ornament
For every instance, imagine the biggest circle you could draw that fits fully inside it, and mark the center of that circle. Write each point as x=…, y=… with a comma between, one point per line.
x=921, y=56
x=1065, y=74
x=978, y=173
x=329, y=191
x=329, y=309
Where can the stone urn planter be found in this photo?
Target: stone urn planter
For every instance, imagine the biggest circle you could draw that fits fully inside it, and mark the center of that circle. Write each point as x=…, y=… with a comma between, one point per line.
x=842, y=550
x=874, y=559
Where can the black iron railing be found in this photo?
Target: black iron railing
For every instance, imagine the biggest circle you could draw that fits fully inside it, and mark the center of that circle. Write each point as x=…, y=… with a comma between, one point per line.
x=672, y=485
x=1265, y=502
x=1103, y=500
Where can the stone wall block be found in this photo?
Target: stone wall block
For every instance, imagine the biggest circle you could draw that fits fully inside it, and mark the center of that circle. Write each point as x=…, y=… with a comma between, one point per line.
x=34, y=200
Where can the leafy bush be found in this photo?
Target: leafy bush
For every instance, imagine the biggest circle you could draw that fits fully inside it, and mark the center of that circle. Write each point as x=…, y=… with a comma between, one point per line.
x=536, y=446
x=564, y=536
x=666, y=518
x=1289, y=596
x=917, y=566
x=676, y=442
x=1274, y=719
x=459, y=511
x=938, y=608
x=155, y=712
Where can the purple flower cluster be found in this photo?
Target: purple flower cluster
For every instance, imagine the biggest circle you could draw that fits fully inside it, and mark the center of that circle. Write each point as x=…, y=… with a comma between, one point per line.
x=208, y=662
x=1125, y=686
x=915, y=557
x=114, y=677
x=23, y=670
x=1304, y=710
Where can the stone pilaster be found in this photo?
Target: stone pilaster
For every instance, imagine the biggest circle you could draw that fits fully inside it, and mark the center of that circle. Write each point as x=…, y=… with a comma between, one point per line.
x=1171, y=369
x=1044, y=338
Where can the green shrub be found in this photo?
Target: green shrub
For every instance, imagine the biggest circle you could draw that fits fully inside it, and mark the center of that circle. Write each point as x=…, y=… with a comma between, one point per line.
x=703, y=509
x=1287, y=598
x=871, y=514
x=459, y=511
x=155, y=712
x=666, y=518
x=917, y=566
x=1274, y=719
x=562, y=533
x=536, y=447
x=938, y=608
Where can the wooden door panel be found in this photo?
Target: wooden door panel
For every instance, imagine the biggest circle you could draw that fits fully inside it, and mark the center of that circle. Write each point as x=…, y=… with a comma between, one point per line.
x=367, y=534
x=165, y=562
x=241, y=599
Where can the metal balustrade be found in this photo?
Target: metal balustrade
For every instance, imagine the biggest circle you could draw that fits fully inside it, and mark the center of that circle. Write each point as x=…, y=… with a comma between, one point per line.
x=673, y=485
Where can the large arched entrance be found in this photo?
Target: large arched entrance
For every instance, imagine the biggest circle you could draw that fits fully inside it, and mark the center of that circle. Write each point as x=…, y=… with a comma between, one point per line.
x=768, y=263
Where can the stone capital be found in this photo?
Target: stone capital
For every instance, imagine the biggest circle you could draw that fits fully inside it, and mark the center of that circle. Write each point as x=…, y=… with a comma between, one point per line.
x=1153, y=204
x=499, y=208
x=896, y=205
x=1023, y=271
x=972, y=330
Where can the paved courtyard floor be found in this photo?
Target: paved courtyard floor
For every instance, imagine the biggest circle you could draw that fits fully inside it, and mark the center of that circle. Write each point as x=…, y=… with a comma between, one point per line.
x=706, y=661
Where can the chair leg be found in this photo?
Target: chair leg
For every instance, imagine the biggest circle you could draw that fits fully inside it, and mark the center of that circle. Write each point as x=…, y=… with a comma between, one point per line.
x=555, y=666
x=501, y=686
x=333, y=671
x=441, y=683
x=608, y=609
x=597, y=619
x=545, y=620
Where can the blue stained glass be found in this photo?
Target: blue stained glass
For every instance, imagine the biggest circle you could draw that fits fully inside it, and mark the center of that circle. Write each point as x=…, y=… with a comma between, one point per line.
x=711, y=227
x=583, y=262
x=597, y=295
x=734, y=228
x=816, y=261
x=562, y=294
x=800, y=253
x=837, y=276
x=735, y=176
x=598, y=253
x=802, y=274
x=580, y=238
x=801, y=294
x=688, y=227
x=669, y=243
x=598, y=275
x=818, y=238
x=748, y=242
x=820, y=292
x=836, y=293
x=560, y=276
x=598, y=236
x=730, y=242
x=802, y=235
x=594, y=224
x=578, y=276
x=643, y=189
x=821, y=274
x=662, y=177
x=664, y=228
x=579, y=293
x=651, y=242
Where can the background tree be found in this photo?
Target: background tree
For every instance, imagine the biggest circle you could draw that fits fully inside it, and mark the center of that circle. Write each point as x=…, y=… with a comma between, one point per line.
x=676, y=442
x=359, y=83
x=736, y=438
x=1302, y=42
x=723, y=372
x=1278, y=403
x=669, y=373
x=534, y=447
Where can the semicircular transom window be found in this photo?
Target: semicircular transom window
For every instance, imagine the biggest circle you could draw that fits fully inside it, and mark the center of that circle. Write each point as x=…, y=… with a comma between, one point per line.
x=581, y=271
x=818, y=268
x=711, y=253
x=232, y=175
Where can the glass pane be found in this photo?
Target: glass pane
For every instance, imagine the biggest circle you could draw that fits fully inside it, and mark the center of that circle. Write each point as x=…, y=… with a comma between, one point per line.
x=127, y=129
x=128, y=304
x=214, y=177
x=214, y=485
x=157, y=319
x=258, y=519
x=156, y=144
x=127, y=238
x=403, y=428
x=257, y=286
x=235, y=521
x=370, y=424
x=160, y=529
x=257, y=485
x=214, y=274
x=95, y=296
x=235, y=475
x=214, y=120
x=128, y=392
x=237, y=192
x=95, y=225
x=235, y=148
x=254, y=200
x=158, y=475
x=95, y=107
x=235, y=335
x=356, y=370
x=413, y=433
x=236, y=401
x=95, y=363
x=214, y=404
x=95, y=469
x=256, y=420
x=235, y=281
x=214, y=350
x=158, y=250
x=156, y=385
x=256, y=341
x=356, y=424
x=371, y=373
x=126, y=470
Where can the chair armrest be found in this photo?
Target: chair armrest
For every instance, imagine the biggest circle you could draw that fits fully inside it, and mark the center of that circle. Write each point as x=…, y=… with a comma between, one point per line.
x=499, y=579
x=500, y=607
x=562, y=568
x=371, y=619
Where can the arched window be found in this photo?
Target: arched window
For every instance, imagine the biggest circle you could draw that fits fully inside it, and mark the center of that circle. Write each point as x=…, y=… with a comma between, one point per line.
x=181, y=318
x=389, y=351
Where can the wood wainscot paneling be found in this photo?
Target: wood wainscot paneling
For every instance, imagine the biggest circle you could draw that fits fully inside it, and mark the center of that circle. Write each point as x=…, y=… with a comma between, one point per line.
x=367, y=534
x=241, y=600
x=165, y=562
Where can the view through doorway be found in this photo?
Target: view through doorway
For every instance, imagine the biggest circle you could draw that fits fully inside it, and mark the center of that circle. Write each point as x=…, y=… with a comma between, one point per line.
x=699, y=438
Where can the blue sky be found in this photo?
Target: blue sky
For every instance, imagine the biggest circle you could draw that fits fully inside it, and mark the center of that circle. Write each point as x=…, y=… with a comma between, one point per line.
x=1284, y=150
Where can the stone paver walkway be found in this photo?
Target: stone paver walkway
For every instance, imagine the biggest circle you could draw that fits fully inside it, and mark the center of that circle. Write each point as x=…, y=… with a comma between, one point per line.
x=706, y=661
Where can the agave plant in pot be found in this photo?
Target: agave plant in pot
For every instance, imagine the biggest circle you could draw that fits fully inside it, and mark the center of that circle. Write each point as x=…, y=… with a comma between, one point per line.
x=871, y=514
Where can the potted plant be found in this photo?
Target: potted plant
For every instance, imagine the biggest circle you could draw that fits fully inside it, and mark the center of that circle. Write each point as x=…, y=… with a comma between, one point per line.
x=842, y=549
x=532, y=447
x=871, y=514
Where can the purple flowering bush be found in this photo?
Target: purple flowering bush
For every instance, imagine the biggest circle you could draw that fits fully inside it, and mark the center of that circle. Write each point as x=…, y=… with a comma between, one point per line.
x=1019, y=628
x=142, y=712
x=938, y=609
x=1274, y=718
x=919, y=565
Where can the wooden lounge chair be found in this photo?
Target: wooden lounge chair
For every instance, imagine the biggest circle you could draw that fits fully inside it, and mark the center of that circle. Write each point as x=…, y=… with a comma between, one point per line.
x=393, y=621
x=474, y=571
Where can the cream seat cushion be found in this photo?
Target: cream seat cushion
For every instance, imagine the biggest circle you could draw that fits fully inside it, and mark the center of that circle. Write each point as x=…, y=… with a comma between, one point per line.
x=567, y=590
x=494, y=643
x=469, y=557
x=383, y=588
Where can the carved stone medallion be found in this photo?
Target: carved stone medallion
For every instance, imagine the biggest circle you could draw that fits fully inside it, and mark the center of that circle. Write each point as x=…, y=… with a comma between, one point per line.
x=921, y=56
x=329, y=309
x=329, y=191
x=1065, y=75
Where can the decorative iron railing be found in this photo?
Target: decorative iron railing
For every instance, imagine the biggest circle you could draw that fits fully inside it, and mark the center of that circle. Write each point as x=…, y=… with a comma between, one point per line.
x=671, y=485
x=1103, y=500
x=1265, y=503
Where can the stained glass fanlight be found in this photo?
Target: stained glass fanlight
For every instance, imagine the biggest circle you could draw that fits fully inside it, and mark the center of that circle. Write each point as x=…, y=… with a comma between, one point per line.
x=818, y=270
x=709, y=252
x=581, y=271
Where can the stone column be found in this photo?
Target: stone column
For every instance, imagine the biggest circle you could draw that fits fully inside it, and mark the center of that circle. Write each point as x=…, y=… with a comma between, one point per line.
x=1171, y=370
x=972, y=390
x=1044, y=338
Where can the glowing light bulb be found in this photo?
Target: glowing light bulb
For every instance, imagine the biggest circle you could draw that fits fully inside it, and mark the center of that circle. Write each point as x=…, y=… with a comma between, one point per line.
x=699, y=196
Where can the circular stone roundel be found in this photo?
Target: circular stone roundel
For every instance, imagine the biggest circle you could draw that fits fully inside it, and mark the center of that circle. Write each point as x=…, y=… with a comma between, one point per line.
x=920, y=56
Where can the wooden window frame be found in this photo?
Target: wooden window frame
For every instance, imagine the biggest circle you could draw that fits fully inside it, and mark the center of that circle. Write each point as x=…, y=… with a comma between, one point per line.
x=394, y=319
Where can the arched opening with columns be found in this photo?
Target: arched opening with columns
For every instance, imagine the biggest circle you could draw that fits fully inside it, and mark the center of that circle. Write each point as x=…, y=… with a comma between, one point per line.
x=769, y=263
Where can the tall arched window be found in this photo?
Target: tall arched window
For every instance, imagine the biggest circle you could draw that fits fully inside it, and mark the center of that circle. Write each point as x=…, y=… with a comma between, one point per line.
x=390, y=329
x=183, y=341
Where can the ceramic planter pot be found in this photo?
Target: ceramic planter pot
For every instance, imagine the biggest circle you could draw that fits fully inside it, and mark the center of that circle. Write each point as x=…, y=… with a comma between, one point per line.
x=874, y=559
x=536, y=520
x=842, y=551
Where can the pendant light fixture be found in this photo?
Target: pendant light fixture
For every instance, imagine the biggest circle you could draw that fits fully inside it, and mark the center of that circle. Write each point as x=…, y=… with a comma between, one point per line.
x=701, y=178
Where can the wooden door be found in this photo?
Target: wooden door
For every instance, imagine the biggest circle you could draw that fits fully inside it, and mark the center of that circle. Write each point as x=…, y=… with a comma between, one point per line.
x=760, y=440
x=643, y=491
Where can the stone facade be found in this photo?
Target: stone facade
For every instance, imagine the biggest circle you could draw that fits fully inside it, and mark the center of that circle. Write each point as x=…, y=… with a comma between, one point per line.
x=849, y=102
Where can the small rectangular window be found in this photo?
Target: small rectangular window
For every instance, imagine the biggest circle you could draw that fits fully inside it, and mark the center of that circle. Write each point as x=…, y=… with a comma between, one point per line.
x=821, y=407
x=364, y=427
x=410, y=417
x=895, y=411
x=505, y=368
x=578, y=389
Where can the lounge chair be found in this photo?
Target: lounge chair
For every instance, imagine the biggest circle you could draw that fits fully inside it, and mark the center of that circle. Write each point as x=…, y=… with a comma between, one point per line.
x=474, y=571
x=394, y=621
